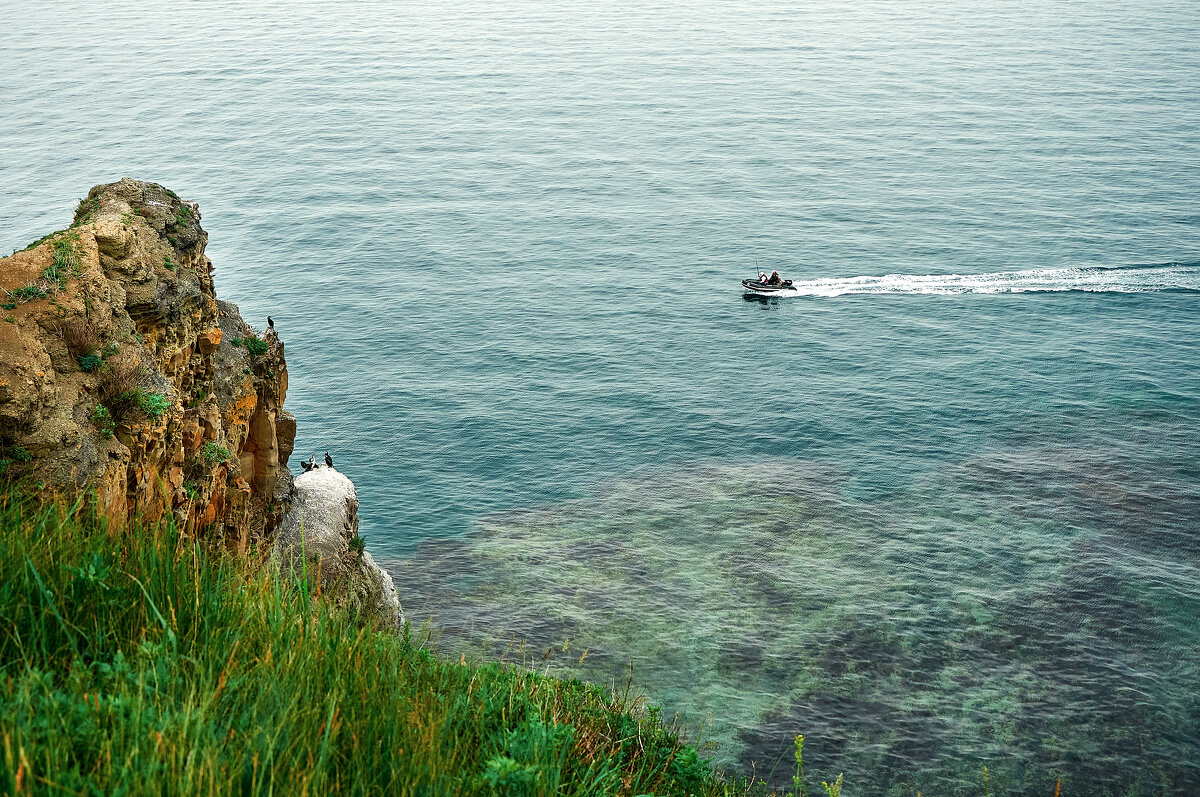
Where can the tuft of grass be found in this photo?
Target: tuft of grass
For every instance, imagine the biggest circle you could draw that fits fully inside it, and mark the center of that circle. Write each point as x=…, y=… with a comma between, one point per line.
x=80, y=337
x=183, y=216
x=358, y=544
x=86, y=210
x=104, y=421
x=90, y=362
x=64, y=265
x=214, y=453
x=256, y=346
x=119, y=378
x=27, y=293
x=20, y=453
x=160, y=665
x=167, y=264
x=147, y=402
x=66, y=262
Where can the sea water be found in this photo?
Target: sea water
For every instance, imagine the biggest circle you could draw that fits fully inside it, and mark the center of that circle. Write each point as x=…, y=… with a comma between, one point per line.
x=938, y=511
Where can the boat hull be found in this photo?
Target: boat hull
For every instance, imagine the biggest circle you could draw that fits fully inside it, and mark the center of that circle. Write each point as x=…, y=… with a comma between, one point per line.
x=766, y=289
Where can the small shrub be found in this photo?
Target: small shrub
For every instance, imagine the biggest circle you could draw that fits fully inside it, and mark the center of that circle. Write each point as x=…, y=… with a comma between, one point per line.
x=121, y=375
x=237, y=341
x=193, y=490
x=4, y=463
x=21, y=454
x=121, y=380
x=65, y=264
x=27, y=293
x=89, y=363
x=167, y=264
x=256, y=346
x=104, y=421
x=9, y=305
x=183, y=216
x=109, y=351
x=147, y=402
x=85, y=210
x=358, y=544
x=214, y=453
x=11, y=319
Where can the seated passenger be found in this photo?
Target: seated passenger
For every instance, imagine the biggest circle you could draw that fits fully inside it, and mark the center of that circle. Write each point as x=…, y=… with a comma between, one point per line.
x=775, y=280
x=762, y=276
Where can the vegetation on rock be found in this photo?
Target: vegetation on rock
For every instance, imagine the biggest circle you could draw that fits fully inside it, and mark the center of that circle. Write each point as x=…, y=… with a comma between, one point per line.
x=214, y=453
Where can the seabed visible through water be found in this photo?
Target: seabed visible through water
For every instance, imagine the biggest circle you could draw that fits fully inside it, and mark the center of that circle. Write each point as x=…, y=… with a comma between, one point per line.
x=1013, y=623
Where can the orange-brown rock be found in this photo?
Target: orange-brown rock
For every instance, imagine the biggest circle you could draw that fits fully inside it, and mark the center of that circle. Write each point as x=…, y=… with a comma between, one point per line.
x=128, y=282
x=210, y=340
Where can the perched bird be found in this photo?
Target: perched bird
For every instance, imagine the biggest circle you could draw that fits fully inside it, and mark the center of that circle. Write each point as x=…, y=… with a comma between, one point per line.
x=328, y=459
x=307, y=465
x=312, y=462
x=270, y=323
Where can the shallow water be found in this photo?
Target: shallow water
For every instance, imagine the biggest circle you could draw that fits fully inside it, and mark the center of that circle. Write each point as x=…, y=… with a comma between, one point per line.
x=939, y=512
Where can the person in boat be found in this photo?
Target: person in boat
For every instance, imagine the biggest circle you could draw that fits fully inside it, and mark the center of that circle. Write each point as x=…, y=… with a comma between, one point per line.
x=774, y=280
x=762, y=276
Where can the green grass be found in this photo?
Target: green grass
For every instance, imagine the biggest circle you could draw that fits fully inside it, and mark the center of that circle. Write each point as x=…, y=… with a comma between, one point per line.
x=104, y=421
x=214, y=453
x=143, y=662
x=86, y=210
x=254, y=344
x=147, y=402
x=183, y=216
x=27, y=293
x=66, y=262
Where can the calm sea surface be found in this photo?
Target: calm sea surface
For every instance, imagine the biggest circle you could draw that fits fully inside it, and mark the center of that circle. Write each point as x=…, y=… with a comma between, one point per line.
x=940, y=512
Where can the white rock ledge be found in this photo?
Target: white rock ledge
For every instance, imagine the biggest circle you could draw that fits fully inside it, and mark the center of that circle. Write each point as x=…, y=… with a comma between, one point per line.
x=319, y=526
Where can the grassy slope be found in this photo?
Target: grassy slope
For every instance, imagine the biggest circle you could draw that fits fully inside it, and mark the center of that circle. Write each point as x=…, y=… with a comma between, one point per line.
x=143, y=663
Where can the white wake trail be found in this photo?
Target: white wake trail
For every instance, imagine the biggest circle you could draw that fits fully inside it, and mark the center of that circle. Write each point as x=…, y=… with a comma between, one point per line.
x=1134, y=279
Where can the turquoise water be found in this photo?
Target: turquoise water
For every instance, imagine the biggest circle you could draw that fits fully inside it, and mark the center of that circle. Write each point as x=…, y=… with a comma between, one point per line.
x=938, y=512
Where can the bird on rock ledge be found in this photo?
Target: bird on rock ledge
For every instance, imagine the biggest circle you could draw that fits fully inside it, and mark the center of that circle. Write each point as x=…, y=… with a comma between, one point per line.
x=328, y=459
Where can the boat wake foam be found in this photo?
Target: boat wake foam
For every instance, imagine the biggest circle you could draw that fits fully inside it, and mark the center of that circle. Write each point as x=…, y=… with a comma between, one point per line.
x=1095, y=279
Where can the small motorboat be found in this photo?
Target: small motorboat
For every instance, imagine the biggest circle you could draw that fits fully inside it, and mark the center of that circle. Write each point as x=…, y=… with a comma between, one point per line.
x=767, y=288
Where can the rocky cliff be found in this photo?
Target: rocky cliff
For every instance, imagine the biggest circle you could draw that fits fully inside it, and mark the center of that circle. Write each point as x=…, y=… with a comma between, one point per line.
x=122, y=376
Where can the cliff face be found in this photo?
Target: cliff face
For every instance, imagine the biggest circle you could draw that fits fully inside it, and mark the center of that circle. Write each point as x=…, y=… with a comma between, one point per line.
x=121, y=371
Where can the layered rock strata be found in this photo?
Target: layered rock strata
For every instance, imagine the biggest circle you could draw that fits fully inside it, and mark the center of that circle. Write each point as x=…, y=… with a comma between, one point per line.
x=122, y=376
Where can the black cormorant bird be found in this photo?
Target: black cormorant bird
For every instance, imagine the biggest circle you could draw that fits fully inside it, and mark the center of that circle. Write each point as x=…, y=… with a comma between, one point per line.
x=307, y=465
x=270, y=322
x=328, y=459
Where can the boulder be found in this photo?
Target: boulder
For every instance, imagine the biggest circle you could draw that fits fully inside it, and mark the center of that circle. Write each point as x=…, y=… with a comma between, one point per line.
x=318, y=528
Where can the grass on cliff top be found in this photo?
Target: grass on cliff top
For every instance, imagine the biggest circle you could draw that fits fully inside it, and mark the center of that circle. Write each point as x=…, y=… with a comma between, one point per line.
x=143, y=662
